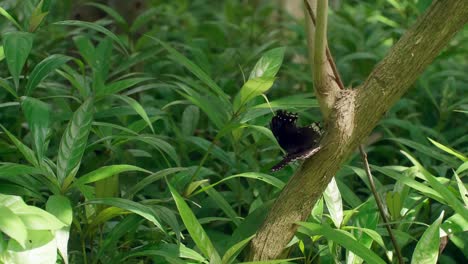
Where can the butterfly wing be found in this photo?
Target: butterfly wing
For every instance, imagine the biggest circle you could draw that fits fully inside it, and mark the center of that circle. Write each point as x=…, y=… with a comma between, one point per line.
x=283, y=126
x=298, y=142
x=293, y=157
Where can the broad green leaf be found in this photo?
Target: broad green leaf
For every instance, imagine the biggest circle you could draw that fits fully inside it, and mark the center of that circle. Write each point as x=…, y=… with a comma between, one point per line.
x=73, y=143
x=343, y=238
x=251, y=89
x=40, y=248
x=427, y=248
x=95, y=27
x=334, y=203
x=37, y=219
x=107, y=171
x=232, y=252
x=197, y=71
x=28, y=154
x=134, y=207
x=4, y=13
x=449, y=150
x=269, y=64
x=37, y=114
x=44, y=68
x=449, y=197
x=190, y=118
x=137, y=107
x=101, y=59
x=194, y=228
x=60, y=206
x=12, y=225
x=86, y=49
x=17, y=46
x=252, y=175
x=150, y=179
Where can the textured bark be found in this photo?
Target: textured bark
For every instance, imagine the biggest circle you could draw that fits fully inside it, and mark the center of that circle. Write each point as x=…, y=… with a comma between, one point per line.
x=353, y=116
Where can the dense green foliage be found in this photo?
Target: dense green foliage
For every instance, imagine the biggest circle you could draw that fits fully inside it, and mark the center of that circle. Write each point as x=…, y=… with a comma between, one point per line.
x=123, y=142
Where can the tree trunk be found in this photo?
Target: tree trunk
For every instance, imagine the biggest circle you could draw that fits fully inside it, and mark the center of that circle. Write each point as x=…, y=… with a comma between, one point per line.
x=353, y=116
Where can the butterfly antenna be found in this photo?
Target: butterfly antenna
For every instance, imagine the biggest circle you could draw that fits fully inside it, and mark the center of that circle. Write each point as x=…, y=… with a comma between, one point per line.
x=268, y=102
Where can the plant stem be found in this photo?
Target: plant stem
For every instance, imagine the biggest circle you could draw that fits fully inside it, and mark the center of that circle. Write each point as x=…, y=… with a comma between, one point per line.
x=380, y=205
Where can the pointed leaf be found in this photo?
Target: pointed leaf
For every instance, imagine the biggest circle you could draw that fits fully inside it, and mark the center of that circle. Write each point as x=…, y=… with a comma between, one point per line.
x=427, y=248
x=194, y=228
x=37, y=114
x=73, y=143
x=44, y=68
x=17, y=46
x=269, y=64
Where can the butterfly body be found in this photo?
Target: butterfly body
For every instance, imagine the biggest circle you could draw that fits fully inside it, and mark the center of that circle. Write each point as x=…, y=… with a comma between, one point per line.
x=298, y=142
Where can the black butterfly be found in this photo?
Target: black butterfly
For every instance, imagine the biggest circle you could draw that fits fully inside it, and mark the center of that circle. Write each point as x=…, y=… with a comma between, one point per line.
x=298, y=142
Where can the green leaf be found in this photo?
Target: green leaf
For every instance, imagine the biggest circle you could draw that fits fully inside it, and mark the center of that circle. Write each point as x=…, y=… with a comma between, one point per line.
x=12, y=225
x=427, y=248
x=197, y=71
x=343, y=238
x=252, y=175
x=123, y=227
x=37, y=114
x=394, y=204
x=17, y=46
x=44, y=68
x=6, y=85
x=137, y=107
x=4, y=13
x=37, y=219
x=150, y=179
x=232, y=252
x=73, y=143
x=134, y=207
x=332, y=197
x=95, y=27
x=121, y=85
x=449, y=197
x=107, y=171
x=269, y=64
x=194, y=228
x=449, y=150
x=111, y=12
x=40, y=247
x=60, y=206
x=190, y=118
x=251, y=89
x=28, y=154
x=37, y=17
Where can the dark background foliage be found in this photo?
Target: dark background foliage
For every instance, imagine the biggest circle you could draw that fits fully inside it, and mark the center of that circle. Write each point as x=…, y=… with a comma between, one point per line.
x=162, y=68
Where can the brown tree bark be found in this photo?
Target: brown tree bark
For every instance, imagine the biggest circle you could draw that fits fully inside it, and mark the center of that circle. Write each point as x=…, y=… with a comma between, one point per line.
x=352, y=117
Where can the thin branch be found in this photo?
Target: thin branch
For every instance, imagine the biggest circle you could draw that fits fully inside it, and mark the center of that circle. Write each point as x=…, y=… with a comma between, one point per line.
x=336, y=74
x=320, y=41
x=380, y=205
